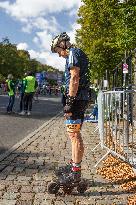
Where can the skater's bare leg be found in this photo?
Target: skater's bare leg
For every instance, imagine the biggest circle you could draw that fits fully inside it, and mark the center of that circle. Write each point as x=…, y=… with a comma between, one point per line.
x=77, y=146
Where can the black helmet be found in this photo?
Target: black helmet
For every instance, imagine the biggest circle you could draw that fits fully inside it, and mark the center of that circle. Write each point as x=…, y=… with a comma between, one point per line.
x=56, y=41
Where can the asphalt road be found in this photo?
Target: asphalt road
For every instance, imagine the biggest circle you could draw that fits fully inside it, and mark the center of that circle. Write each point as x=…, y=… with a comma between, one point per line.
x=14, y=127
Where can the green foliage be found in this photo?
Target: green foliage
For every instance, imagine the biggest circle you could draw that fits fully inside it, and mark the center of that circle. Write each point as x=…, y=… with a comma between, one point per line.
x=18, y=62
x=107, y=30
x=1, y=78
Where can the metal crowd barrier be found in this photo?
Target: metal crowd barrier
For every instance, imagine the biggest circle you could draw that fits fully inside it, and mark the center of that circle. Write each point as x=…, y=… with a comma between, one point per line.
x=116, y=127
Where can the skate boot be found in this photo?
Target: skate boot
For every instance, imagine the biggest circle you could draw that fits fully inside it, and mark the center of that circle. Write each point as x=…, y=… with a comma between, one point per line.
x=70, y=178
x=67, y=182
x=64, y=169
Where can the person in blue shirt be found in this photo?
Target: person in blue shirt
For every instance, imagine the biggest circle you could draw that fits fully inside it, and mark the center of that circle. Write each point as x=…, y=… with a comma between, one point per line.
x=77, y=96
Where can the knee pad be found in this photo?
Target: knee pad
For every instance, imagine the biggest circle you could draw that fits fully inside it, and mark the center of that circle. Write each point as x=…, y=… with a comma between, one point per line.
x=73, y=125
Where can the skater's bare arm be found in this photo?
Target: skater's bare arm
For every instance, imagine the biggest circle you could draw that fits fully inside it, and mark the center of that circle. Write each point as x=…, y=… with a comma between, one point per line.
x=74, y=81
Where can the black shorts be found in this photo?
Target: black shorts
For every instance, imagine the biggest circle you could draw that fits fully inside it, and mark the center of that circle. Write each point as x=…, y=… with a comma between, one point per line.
x=78, y=109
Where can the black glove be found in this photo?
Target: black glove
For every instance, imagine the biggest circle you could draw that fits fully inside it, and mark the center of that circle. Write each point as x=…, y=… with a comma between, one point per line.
x=67, y=109
x=69, y=104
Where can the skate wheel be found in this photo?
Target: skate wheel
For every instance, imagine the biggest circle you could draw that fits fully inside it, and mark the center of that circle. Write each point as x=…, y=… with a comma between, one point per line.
x=67, y=190
x=53, y=188
x=82, y=187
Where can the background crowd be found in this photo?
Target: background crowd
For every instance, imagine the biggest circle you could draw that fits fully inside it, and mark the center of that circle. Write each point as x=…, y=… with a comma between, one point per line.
x=26, y=89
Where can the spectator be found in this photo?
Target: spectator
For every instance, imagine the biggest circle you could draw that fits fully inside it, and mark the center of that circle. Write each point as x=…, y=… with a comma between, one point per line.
x=49, y=88
x=30, y=85
x=22, y=91
x=63, y=95
x=11, y=93
x=37, y=92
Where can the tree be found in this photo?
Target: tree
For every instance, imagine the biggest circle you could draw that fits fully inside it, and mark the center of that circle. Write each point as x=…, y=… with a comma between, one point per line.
x=8, y=57
x=18, y=62
x=103, y=35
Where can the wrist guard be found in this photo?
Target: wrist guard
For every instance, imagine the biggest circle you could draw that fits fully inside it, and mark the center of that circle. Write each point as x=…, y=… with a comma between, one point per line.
x=69, y=104
x=70, y=100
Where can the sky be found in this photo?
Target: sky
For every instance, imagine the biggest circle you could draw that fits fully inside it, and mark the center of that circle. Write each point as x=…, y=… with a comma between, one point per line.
x=31, y=25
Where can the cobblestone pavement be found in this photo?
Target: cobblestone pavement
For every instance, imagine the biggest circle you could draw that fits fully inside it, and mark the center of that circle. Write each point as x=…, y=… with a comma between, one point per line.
x=26, y=172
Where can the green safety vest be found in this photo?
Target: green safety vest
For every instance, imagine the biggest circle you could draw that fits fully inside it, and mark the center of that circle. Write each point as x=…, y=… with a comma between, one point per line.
x=10, y=90
x=23, y=85
x=30, y=84
x=63, y=89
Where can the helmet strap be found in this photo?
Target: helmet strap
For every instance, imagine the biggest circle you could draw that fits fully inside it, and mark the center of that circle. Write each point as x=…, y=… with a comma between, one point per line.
x=65, y=45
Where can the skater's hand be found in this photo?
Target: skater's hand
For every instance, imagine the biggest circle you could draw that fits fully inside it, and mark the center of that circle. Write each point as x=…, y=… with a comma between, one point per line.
x=69, y=104
x=67, y=115
x=67, y=108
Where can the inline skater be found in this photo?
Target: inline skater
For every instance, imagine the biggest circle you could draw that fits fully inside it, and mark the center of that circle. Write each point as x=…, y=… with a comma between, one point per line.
x=77, y=97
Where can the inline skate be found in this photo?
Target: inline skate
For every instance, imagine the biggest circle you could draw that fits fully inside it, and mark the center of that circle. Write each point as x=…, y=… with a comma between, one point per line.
x=64, y=169
x=67, y=182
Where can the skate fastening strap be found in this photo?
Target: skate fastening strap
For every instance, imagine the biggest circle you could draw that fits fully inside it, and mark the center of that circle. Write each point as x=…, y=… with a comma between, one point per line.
x=76, y=169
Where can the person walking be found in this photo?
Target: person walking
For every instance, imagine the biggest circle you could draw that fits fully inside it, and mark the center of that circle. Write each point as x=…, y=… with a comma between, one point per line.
x=11, y=93
x=63, y=95
x=30, y=85
x=77, y=97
